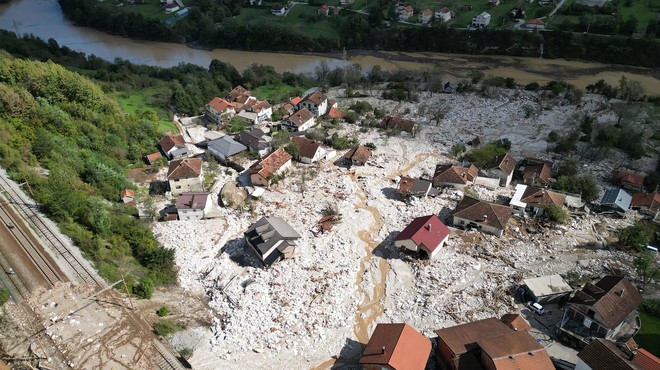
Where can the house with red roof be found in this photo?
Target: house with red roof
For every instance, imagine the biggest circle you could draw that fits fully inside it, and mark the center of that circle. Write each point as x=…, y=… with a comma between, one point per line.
x=153, y=157
x=455, y=176
x=263, y=172
x=185, y=175
x=298, y=121
x=487, y=217
x=218, y=109
x=646, y=202
x=629, y=180
x=324, y=10
x=426, y=16
x=501, y=167
x=536, y=172
x=535, y=24
x=316, y=102
x=357, y=156
x=427, y=234
x=443, y=14
x=396, y=346
x=173, y=146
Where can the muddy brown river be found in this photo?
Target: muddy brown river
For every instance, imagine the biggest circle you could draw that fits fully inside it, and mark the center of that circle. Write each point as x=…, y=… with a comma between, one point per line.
x=44, y=18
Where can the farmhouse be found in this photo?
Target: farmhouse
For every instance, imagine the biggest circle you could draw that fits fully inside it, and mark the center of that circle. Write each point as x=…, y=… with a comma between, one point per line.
x=501, y=167
x=309, y=151
x=427, y=234
x=358, y=156
x=536, y=173
x=272, y=239
x=629, y=180
x=646, y=202
x=185, y=175
x=173, y=146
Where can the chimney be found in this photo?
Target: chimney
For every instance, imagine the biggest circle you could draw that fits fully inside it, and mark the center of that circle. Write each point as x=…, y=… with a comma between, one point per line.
x=621, y=293
x=463, y=174
x=382, y=350
x=485, y=217
x=428, y=227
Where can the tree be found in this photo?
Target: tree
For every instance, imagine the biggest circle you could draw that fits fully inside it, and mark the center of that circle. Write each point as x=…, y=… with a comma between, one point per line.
x=646, y=267
x=281, y=139
x=556, y=213
x=637, y=236
x=4, y=296
x=144, y=288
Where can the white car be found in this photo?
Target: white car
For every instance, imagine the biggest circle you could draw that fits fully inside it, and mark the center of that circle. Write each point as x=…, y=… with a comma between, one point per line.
x=536, y=308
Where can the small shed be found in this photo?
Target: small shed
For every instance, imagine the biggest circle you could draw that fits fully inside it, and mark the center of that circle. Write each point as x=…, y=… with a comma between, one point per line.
x=547, y=289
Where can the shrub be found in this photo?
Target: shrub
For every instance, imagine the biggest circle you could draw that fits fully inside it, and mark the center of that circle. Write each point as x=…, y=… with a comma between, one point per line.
x=351, y=117
x=370, y=145
x=163, y=311
x=481, y=156
x=553, y=136
x=457, y=149
x=4, y=296
x=361, y=107
x=532, y=86
x=637, y=236
x=186, y=353
x=583, y=185
x=556, y=213
x=167, y=327
x=144, y=288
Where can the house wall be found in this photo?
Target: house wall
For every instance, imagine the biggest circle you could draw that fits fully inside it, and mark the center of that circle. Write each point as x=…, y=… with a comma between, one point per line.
x=190, y=214
x=217, y=153
x=376, y=367
x=437, y=250
x=580, y=365
x=257, y=179
x=408, y=244
x=485, y=228
x=440, y=184
x=446, y=356
x=186, y=185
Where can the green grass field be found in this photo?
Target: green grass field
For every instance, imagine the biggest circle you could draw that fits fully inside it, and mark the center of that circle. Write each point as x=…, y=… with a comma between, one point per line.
x=276, y=93
x=649, y=335
x=150, y=8
x=643, y=10
x=301, y=17
x=140, y=100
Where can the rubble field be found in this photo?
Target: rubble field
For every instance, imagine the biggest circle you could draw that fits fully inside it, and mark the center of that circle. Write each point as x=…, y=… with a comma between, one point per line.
x=301, y=312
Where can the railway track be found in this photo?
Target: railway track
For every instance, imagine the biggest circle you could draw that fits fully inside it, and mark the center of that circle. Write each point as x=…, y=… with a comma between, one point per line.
x=27, y=208
x=165, y=359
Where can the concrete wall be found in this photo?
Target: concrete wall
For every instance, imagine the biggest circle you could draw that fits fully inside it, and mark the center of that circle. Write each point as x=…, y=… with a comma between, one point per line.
x=186, y=185
x=485, y=228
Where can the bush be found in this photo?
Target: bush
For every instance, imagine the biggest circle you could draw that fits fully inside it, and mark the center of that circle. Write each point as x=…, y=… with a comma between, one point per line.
x=4, y=296
x=166, y=327
x=556, y=213
x=583, y=185
x=186, y=353
x=361, y=107
x=457, y=149
x=351, y=117
x=553, y=136
x=637, y=236
x=370, y=145
x=482, y=156
x=163, y=311
x=144, y=288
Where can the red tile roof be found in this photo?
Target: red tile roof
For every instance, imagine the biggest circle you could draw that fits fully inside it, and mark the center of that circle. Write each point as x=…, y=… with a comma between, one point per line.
x=127, y=193
x=516, y=322
x=491, y=214
x=400, y=123
x=317, y=97
x=504, y=162
x=516, y=350
x=404, y=348
x=170, y=142
x=630, y=178
x=236, y=92
x=540, y=197
x=220, y=104
x=427, y=12
x=306, y=148
x=426, y=230
x=536, y=21
x=452, y=174
x=646, y=360
x=650, y=201
x=612, y=297
x=324, y=7
x=270, y=163
x=184, y=168
x=602, y=354
x=360, y=154
x=297, y=100
x=335, y=113
x=458, y=337
x=151, y=158
x=300, y=117
x=541, y=171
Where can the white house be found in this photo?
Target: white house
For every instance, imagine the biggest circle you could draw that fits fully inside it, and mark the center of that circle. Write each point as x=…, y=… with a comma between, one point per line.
x=315, y=102
x=309, y=151
x=480, y=20
x=218, y=108
x=533, y=199
x=262, y=109
x=173, y=146
x=299, y=121
x=443, y=14
x=427, y=234
x=275, y=163
x=185, y=175
x=278, y=10
x=193, y=206
x=501, y=167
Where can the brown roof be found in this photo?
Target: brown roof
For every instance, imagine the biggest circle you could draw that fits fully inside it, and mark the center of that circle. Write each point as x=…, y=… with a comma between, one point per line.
x=127, y=193
x=630, y=178
x=491, y=214
x=193, y=200
x=300, y=117
x=540, y=197
x=171, y=141
x=504, y=162
x=455, y=175
x=404, y=348
x=406, y=184
x=184, y=168
x=427, y=12
x=360, y=154
x=335, y=113
x=516, y=322
x=259, y=105
x=541, y=171
x=236, y=92
x=651, y=201
x=602, y=354
x=646, y=360
x=612, y=297
x=270, y=163
x=306, y=148
x=317, y=97
x=516, y=350
x=220, y=104
x=459, y=337
x=151, y=158
x=400, y=123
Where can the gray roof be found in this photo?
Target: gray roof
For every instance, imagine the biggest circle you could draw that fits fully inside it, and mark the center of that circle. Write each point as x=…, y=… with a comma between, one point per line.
x=547, y=285
x=227, y=146
x=268, y=231
x=179, y=152
x=616, y=198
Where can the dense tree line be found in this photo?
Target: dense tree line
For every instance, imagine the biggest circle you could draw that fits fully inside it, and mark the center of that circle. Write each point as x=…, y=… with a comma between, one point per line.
x=60, y=121
x=212, y=24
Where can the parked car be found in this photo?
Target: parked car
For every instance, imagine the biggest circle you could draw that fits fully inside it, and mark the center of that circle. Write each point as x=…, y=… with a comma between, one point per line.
x=10, y=224
x=536, y=308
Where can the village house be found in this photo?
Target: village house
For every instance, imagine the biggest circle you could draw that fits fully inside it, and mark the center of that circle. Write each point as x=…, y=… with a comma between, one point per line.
x=405, y=11
x=629, y=180
x=494, y=2
x=602, y=354
x=516, y=322
x=193, y=205
x=455, y=176
x=532, y=199
x=335, y=113
x=409, y=187
x=480, y=20
x=443, y=15
x=301, y=120
x=536, y=172
x=262, y=110
x=323, y=10
x=606, y=309
x=173, y=146
x=490, y=344
x=127, y=197
x=254, y=140
x=153, y=157
x=278, y=10
x=502, y=168
x=236, y=93
x=171, y=8
x=272, y=239
x=646, y=202
x=309, y=151
x=398, y=123
x=316, y=102
x=357, y=156
x=426, y=16
x=219, y=109
x=185, y=175
x=616, y=200
x=427, y=234
x=487, y=217
x=275, y=163
x=535, y=24
x=547, y=289
x=396, y=346
x=225, y=147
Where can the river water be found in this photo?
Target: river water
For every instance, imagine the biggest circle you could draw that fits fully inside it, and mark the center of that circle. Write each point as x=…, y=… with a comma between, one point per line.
x=44, y=18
